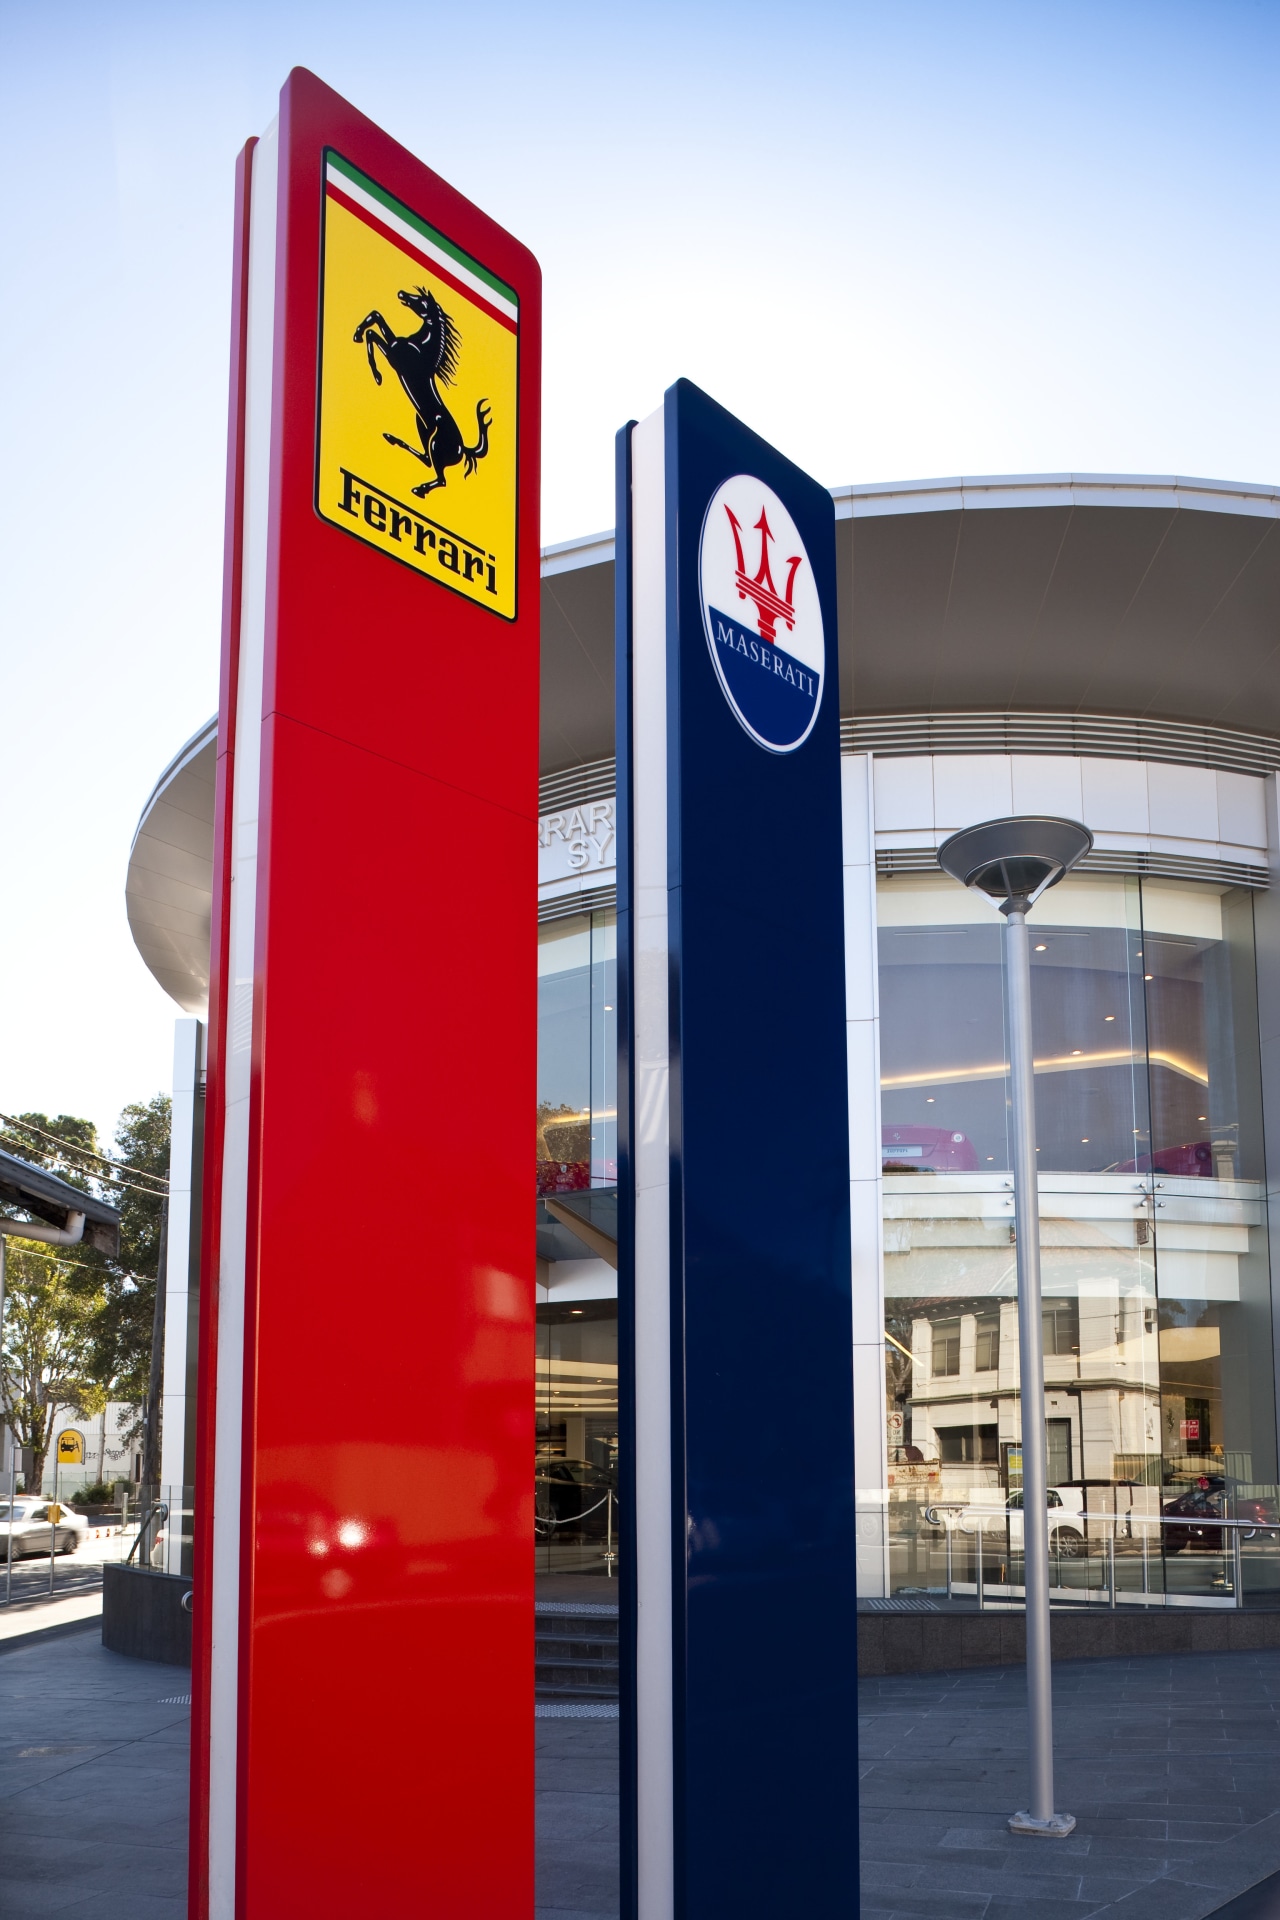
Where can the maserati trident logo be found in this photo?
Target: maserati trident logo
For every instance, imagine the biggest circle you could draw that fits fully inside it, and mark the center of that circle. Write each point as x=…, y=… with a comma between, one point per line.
x=772, y=684
x=759, y=587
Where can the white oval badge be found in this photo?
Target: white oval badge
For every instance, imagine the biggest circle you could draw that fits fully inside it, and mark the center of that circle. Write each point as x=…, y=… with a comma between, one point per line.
x=761, y=613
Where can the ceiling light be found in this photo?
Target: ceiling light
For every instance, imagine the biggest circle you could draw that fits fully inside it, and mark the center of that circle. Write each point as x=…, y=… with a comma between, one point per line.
x=1108, y=1016
x=929, y=1100
x=1148, y=976
x=1075, y=1051
x=575, y=1309
x=1202, y=1116
x=1041, y=947
x=1085, y=1141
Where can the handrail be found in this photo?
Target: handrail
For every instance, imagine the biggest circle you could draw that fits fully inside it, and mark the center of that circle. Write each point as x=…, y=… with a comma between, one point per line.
x=571, y=1520
x=158, y=1513
x=958, y=1508
x=950, y=1515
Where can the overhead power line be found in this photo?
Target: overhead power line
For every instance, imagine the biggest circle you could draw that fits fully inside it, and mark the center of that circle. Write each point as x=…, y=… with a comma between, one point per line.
x=70, y=1148
x=29, y=1253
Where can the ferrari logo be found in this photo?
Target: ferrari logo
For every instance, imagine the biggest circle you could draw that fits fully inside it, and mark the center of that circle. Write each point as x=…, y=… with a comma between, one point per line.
x=418, y=393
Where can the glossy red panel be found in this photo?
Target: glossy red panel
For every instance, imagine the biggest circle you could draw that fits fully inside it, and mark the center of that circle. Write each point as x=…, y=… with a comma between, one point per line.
x=385, y=1752
x=391, y=1603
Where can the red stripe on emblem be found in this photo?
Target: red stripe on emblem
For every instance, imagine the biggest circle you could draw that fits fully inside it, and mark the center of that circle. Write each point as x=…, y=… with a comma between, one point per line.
x=423, y=259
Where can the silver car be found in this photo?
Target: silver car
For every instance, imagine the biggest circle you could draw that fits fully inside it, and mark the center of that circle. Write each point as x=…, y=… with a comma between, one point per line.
x=25, y=1528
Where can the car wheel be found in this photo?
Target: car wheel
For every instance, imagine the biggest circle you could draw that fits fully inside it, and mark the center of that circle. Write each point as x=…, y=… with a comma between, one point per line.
x=1067, y=1543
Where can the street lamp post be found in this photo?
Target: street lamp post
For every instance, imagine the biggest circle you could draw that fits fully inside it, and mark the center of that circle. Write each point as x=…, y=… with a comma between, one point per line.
x=1014, y=861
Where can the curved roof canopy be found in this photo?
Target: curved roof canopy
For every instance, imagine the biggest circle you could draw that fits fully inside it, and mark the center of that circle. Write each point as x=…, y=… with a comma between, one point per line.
x=1156, y=597
x=169, y=890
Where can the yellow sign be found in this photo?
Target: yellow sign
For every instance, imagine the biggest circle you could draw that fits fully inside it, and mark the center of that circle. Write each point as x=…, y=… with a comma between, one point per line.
x=418, y=393
x=70, y=1448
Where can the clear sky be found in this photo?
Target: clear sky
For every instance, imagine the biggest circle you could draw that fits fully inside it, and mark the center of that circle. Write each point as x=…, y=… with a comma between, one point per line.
x=900, y=240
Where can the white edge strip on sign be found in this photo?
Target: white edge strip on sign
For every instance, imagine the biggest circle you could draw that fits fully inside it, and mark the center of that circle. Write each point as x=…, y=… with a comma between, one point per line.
x=652, y=1172
x=228, y=1448
x=401, y=227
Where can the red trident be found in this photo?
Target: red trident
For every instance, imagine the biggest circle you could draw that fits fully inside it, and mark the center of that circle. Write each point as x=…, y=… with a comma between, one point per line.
x=770, y=606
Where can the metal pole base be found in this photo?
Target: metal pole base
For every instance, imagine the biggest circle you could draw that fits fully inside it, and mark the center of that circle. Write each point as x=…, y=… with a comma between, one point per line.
x=1056, y=1827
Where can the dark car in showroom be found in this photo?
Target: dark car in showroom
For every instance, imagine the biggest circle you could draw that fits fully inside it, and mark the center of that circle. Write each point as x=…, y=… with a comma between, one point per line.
x=570, y=1497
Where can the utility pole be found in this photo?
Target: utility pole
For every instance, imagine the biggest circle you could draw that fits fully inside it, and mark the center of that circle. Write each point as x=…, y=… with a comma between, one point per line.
x=151, y=1438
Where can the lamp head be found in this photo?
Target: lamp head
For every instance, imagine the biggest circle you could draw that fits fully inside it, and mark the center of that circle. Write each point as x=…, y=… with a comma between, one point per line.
x=1015, y=860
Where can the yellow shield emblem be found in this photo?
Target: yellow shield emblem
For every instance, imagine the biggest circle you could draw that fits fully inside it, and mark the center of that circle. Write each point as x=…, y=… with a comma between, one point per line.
x=419, y=378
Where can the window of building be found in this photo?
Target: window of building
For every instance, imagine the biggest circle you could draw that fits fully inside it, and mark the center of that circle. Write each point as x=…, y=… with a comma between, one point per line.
x=969, y=1446
x=576, y=1523
x=576, y=1448
x=1155, y=1271
x=1061, y=1321
x=987, y=1342
x=577, y=1119
x=946, y=1347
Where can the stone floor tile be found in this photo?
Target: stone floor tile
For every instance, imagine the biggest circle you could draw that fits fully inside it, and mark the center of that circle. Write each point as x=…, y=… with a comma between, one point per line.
x=911, y=1905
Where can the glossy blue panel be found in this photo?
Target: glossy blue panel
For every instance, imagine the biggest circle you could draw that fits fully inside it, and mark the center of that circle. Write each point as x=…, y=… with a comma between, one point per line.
x=765, y=1592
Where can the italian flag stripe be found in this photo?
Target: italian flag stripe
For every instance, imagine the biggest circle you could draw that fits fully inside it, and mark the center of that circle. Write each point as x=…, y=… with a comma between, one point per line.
x=401, y=224
x=415, y=250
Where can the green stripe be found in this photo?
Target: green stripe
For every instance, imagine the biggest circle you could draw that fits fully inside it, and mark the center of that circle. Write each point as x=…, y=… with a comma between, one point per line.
x=415, y=221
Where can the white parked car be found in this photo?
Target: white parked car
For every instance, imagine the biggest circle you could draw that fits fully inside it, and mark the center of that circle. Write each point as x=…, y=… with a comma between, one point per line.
x=1067, y=1524
x=27, y=1525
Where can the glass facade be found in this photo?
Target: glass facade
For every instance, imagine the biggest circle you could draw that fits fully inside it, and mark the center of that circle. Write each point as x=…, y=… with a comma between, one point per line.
x=1157, y=1333
x=577, y=1054
x=576, y=1451
x=1157, y=1319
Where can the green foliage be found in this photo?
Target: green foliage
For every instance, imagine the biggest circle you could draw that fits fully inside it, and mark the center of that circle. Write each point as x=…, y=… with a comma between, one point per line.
x=47, y=1361
x=116, y=1336
x=123, y=1335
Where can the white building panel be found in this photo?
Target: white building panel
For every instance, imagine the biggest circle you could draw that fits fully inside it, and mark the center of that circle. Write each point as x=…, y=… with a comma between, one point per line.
x=970, y=787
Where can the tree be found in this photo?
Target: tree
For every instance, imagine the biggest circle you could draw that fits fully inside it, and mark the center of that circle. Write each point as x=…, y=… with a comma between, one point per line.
x=124, y=1328
x=47, y=1357
x=118, y=1361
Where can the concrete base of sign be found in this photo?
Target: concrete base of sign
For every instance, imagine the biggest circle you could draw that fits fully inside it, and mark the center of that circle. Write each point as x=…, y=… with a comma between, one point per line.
x=143, y=1615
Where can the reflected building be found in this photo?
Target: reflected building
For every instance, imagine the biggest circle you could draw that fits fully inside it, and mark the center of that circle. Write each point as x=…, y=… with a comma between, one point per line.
x=1094, y=648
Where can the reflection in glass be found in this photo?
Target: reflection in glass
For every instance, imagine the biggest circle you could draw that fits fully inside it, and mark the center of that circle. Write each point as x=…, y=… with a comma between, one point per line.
x=576, y=1465
x=576, y=1446
x=1157, y=1333
x=577, y=1126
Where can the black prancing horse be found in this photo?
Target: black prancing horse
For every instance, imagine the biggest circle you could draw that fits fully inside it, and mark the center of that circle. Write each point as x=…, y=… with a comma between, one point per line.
x=420, y=359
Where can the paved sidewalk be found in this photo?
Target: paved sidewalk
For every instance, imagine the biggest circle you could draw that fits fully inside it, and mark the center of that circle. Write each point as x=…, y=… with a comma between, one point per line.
x=93, y=1782
x=1171, y=1767
x=577, y=1819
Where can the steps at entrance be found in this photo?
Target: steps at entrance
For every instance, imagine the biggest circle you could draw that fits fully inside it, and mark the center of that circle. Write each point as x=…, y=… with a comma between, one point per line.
x=576, y=1650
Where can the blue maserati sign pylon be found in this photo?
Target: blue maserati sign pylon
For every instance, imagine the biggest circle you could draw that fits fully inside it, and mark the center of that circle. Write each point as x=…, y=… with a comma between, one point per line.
x=739, y=1700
